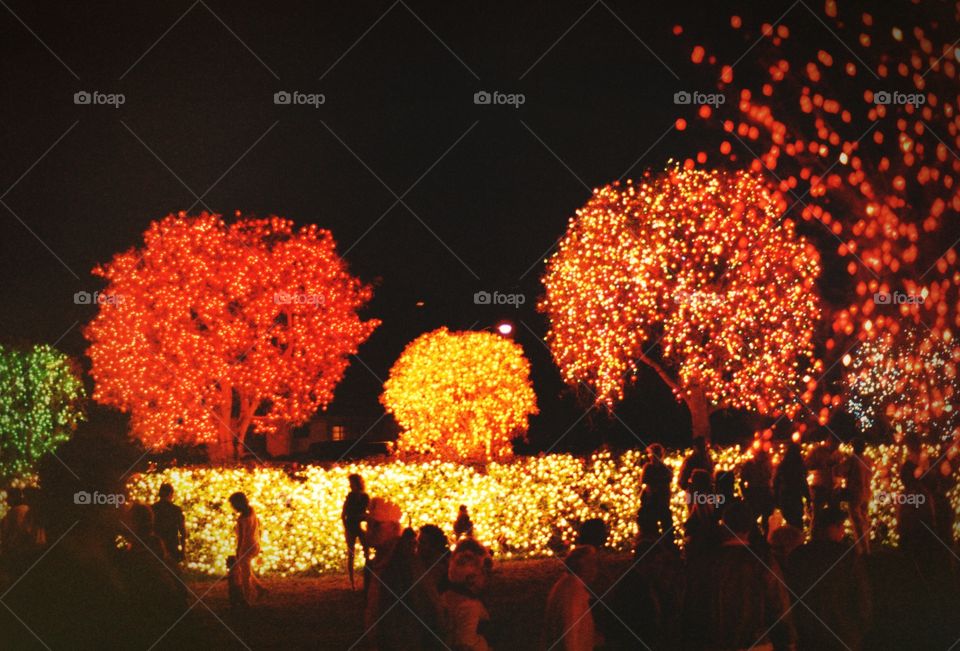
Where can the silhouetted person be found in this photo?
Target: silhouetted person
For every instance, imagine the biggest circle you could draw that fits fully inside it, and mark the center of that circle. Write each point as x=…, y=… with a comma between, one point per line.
x=698, y=459
x=16, y=541
x=157, y=595
x=822, y=464
x=783, y=540
x=464, y=619
x=36, y=524
x=14, y=521
x=701, y=528
x=593, y=532
x=655, y=498
x=248, y=548
x=914, y=466
x=756, y=483
x=383, y=535
x=834, y=587
x=942, y=481
x=646, y=602
x=463, y=526
x=568, y=621
x=724, y=482
x=790, y=487
x=735, y=597
x=858, y=471
x=407, y=610
x=170, y=524
x=433, y=549
x=916, y=520
x=353, y=514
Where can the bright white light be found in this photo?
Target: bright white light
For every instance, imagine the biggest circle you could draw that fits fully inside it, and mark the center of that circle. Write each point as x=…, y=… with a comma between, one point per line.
x=505, y=328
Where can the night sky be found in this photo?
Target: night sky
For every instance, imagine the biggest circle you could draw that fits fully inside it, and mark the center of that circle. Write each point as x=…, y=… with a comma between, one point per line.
x=432, y=197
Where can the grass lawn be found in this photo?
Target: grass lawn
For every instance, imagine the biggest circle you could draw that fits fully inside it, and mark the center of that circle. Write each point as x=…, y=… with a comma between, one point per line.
x=323, y=613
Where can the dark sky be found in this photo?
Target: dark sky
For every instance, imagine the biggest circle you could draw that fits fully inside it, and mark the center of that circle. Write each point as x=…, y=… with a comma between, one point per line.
x=486, y=190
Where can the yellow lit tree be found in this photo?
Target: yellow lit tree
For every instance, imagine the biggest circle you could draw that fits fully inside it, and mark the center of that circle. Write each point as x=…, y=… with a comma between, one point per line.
x=461, y=396
x=694, y=274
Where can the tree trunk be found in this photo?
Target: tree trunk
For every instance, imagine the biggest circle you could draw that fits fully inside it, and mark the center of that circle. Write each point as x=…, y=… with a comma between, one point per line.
x=695, y=398
x=699, y=413
x=223, y=450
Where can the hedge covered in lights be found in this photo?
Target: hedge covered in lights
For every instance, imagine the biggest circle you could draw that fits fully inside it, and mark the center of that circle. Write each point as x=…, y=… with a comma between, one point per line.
x=529, y=507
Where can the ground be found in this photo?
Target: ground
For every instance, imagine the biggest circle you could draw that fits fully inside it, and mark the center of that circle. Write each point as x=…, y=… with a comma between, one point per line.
x=323, y=613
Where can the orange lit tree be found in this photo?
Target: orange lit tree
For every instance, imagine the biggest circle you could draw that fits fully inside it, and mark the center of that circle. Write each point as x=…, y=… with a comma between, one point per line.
x=862, y=142
x=212, y=330
x=461, y=396
x=691, y=273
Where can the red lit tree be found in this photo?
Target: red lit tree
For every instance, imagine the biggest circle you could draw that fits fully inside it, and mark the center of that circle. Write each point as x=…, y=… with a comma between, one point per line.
x=212, y=330
x=693, y=274
x=861, y=141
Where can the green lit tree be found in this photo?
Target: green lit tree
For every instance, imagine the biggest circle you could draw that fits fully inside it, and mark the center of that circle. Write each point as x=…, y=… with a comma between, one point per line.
x=41, y=396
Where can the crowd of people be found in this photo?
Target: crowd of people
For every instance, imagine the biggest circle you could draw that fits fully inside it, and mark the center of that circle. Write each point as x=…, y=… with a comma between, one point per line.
x=773, y=556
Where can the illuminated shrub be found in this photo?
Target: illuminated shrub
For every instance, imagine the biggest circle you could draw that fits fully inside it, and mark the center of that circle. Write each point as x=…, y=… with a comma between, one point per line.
x=460, y=395
x=526, y=508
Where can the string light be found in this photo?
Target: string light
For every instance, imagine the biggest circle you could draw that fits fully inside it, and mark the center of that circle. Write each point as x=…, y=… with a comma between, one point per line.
x=460, y=395
x=861, y=148
x=700, y=263
x=40, y=406
x=908, y=381
x=527, y=507
x=215, y=330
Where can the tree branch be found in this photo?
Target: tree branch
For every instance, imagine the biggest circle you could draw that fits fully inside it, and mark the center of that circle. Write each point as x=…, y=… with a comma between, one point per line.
x=660, y=371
